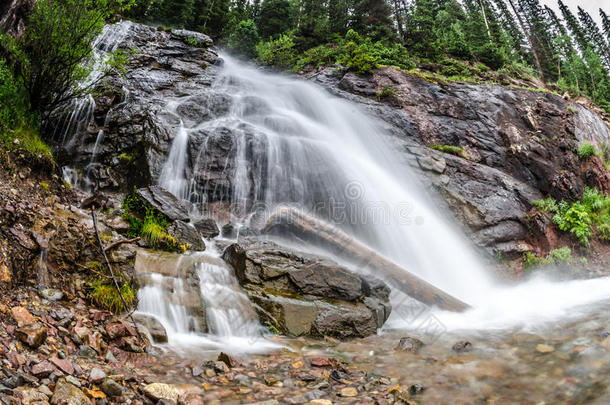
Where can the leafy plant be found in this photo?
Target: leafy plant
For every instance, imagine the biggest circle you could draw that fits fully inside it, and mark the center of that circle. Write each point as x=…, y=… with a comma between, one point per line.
x=586, y=150
x=576, y=220
x=278, y=52
x=561, y=256
x=547, y=205
x=105, y=295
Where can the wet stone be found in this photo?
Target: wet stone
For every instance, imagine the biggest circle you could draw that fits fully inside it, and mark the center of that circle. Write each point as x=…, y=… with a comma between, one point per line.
x=409, y=344
x=462, y=347
x=111, y=388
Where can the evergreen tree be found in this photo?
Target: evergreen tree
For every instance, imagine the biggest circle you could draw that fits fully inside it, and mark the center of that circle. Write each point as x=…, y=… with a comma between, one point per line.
x=605, y=24
x=575, y=28
x=275, y=17
x=420, y=29
x=373, y=18
x=339, y=16
x=515, y=36
x=594, y=35
x=541, y=41
x=313, y=24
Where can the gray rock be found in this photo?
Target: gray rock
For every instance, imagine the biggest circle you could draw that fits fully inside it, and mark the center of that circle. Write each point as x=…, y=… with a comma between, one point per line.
x=186, y=234
x=165, y=202
x=228, y=231
x=111, y=388
x=97, y=375
x=304, y=295
x=207, y=228
x=73, y=380
x=86, y=352
x=51, y=294
x=410, y=344
x=154, y=327
x=68, y=394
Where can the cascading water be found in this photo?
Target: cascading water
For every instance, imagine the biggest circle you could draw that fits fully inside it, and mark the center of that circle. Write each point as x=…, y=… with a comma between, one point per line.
x=288, y=141
x=198, y=301
x=78, y=123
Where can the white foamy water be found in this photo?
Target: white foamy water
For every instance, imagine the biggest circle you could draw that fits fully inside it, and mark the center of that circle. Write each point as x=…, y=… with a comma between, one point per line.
x=185, y=292
x=294, y=143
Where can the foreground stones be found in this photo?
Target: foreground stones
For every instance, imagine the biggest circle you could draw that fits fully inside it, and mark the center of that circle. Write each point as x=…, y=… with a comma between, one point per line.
x=302, y=294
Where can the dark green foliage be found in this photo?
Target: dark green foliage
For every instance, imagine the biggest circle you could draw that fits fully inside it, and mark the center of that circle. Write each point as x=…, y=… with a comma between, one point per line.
x=277, y=52
x=584, y=219
x=275, y=18
x=49, y=58
x=586, y=150
x=244, y=38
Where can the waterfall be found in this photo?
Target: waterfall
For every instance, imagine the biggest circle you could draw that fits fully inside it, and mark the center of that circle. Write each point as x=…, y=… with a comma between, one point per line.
x=197, y=299
x=280, y=140
x=75, y=126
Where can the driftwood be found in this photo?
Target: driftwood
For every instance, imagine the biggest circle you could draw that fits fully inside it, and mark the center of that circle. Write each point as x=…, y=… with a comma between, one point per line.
x=120, y=242
x=116, y=283
x=289, y=220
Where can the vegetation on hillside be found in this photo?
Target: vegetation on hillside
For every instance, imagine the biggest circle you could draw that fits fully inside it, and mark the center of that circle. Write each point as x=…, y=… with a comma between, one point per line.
x=46, y=66
x=459, y=39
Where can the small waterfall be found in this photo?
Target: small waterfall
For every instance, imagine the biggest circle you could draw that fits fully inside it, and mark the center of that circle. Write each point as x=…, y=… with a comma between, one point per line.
x=229, y=311
x=199, y=302
x=79, y=123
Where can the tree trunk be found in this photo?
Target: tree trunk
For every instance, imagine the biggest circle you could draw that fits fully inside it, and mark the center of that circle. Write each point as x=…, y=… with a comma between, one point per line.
x=290, y=221
x=529, y=39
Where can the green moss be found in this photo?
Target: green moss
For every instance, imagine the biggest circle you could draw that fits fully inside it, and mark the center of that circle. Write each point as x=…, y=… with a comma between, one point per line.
x=586, y=150
x=44, y=185
x=386, y=91
x=105, y=295
x=149, y=224
x=126, y=158
x=450, y=149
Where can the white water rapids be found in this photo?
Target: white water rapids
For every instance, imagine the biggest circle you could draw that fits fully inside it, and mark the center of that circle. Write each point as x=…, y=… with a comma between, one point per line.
x=292, y=142
x=326, y=155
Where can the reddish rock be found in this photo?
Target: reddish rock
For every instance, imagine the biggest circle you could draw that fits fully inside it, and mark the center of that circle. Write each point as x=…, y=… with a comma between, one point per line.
x=63, y=364
x=43, y=369
x=320, y=362
x=22, y=316
x=32, y=336
x=119, y=329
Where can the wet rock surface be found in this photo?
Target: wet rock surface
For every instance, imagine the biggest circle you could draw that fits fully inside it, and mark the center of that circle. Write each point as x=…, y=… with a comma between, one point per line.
x=518, y=146
x=302, y=294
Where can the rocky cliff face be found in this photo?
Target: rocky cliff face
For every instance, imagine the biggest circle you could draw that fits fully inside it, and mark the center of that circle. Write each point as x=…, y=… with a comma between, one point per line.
x=516, y=145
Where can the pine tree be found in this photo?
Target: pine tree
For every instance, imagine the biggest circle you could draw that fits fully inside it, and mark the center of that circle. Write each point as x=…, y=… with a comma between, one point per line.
x=594, y=35
x=374, y=19
x=420, y=29
x=526, y=31
x=275, y=18
x=313, y=24
x=339, y=16
x=541, y=41
x=516, y=37
x=605, y=24
x=575, y=28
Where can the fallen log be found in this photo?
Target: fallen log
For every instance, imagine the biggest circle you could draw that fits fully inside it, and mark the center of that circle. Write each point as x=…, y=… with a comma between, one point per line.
x=292, y=221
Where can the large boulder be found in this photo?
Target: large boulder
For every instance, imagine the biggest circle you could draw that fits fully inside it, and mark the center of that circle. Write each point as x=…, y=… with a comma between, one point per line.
x=186, y=234
x=303, y=294
x=165, y=202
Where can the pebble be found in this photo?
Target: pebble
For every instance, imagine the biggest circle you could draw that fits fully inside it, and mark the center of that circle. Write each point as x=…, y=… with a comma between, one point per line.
x=111, y=388
x=542, y=348
x=348, y=392
x=97, y=375
x=74, y=381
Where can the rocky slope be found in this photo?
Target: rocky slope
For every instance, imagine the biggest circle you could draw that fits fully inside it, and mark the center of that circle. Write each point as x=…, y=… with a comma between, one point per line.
x=518, y=145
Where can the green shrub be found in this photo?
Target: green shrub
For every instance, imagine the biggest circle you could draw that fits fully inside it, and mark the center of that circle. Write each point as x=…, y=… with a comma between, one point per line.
x=586, y=150
x=278, y=52
x=244, y=38
x=576, y=220
x=547, y=205
x=358, y=60
x=105, y=295
x=561, y=256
